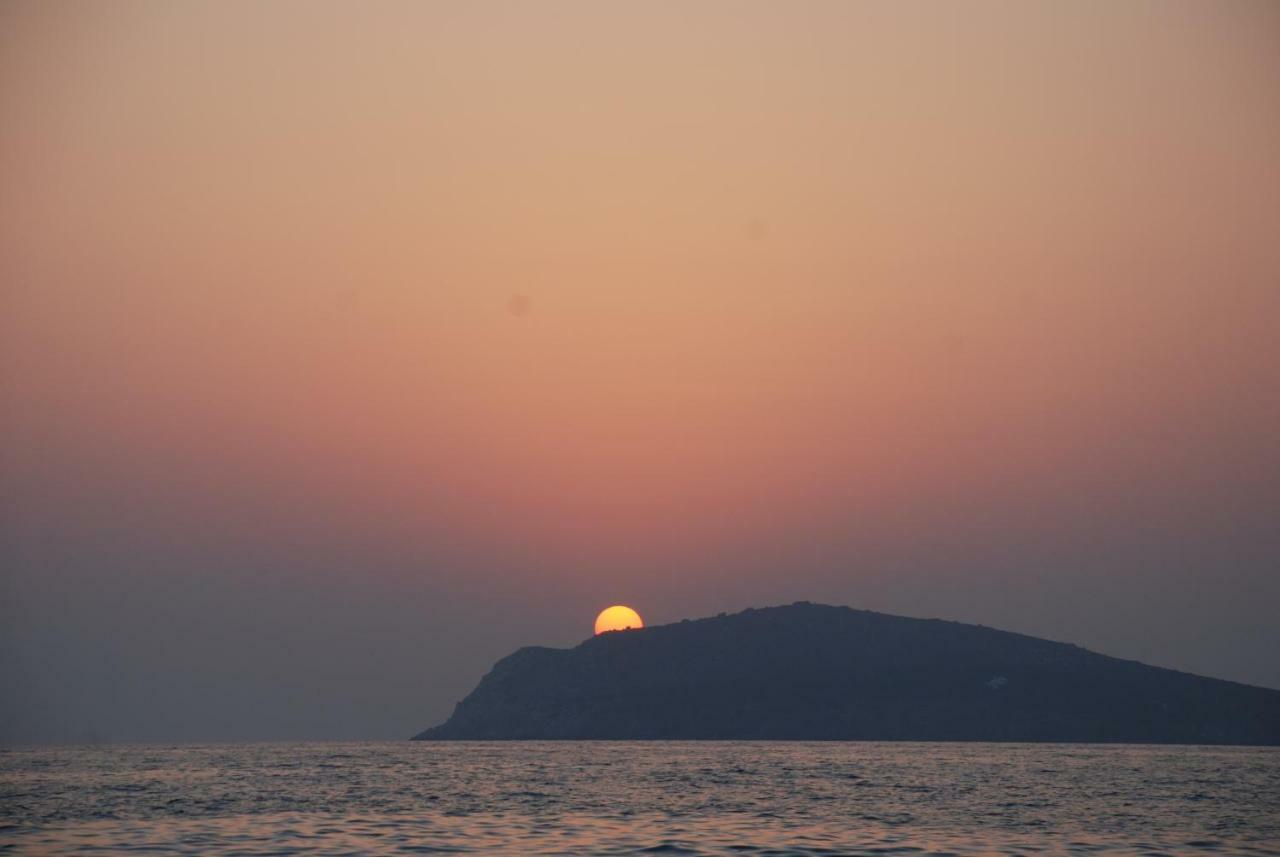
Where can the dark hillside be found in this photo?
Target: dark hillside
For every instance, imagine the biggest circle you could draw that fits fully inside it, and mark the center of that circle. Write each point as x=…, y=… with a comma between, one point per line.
x=809, y=671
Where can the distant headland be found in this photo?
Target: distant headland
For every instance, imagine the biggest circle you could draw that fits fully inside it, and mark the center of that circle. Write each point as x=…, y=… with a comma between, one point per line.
x=816, y=672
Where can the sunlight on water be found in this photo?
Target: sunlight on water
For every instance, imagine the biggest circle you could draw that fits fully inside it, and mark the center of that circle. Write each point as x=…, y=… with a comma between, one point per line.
x=618, y=798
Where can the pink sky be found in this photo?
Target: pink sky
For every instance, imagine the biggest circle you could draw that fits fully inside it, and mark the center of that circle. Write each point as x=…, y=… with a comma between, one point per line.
x=902, y=305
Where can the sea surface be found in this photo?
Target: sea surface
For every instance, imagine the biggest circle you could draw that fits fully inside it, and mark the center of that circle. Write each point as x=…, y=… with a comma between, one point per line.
x=738, y=798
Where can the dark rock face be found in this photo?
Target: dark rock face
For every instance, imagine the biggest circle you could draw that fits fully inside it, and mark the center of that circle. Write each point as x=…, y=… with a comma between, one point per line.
x=811, y=672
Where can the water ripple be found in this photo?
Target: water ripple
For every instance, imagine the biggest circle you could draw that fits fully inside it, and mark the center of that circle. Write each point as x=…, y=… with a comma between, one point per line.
x=738, y=798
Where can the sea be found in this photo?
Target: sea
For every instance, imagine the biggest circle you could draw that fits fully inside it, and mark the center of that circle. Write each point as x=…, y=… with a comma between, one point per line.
x=599, y=797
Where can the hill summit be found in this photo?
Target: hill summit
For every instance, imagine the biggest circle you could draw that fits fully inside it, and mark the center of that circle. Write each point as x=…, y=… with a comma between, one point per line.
x=816, y=672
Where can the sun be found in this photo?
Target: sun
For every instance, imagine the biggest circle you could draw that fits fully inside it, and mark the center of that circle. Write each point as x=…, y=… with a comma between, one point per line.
x=617, y=618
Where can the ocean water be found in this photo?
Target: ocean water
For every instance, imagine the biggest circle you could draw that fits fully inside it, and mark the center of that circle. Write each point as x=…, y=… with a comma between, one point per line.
x=641, y=798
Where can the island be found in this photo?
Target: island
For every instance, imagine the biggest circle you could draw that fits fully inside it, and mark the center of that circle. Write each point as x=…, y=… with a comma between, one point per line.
x=817, y=672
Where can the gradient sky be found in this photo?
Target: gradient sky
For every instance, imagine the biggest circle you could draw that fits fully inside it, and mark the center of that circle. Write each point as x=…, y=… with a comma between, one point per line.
x=347, y=347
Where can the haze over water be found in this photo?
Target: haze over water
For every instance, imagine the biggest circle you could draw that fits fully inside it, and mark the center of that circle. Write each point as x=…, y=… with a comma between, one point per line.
x=647, y=797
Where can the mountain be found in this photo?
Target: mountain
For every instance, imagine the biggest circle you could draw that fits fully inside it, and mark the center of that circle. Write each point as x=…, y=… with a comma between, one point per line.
x=811, y=672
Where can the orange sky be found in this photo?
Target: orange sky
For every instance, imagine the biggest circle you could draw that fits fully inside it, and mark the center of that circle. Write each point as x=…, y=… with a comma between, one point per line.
x=606, y=290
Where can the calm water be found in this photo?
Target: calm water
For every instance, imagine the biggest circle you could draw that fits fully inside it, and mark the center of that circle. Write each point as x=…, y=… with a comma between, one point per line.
x=622, y=798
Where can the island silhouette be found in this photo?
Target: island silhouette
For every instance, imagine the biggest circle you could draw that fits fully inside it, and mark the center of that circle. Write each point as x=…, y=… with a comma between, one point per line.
x=818, y=672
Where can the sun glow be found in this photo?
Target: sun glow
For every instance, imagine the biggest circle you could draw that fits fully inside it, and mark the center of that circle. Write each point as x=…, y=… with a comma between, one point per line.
x=618, y=618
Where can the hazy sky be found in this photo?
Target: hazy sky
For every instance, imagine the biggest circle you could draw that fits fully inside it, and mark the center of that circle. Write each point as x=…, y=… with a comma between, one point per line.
x=347, y=347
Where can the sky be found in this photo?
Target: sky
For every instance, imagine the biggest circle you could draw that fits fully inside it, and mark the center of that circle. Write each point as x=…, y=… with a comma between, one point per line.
x=345, y=348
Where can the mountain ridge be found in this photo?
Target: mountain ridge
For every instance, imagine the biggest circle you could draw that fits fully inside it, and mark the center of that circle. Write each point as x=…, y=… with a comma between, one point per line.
x=818, y=672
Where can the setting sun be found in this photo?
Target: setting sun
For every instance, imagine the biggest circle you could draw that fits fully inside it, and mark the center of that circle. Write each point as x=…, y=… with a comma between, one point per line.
x=618, y=618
